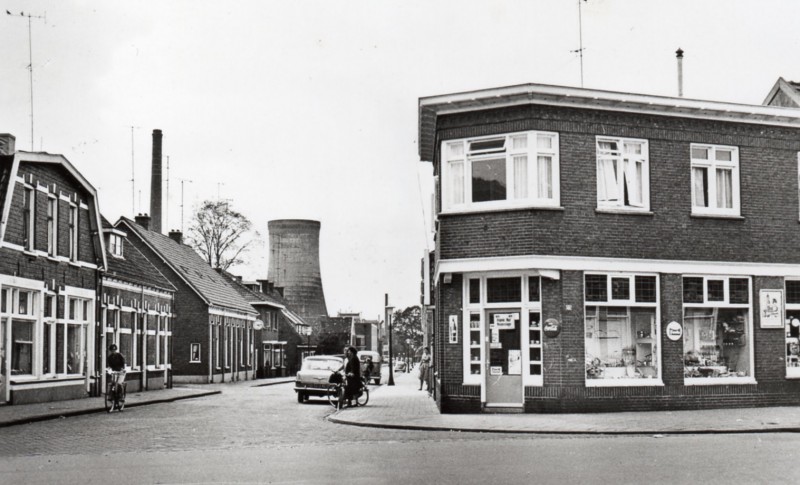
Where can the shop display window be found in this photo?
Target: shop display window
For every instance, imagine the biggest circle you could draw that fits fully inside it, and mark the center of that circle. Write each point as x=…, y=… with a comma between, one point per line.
x=622, y=330
x=793, y=328
x=717, y=330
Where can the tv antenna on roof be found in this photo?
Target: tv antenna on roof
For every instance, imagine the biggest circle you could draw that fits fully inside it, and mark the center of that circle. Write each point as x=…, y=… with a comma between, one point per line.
x=30, y=55
x=580, y=38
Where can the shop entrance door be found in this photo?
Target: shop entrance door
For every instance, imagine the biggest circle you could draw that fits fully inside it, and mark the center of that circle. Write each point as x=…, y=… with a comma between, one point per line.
x=504, y=362
x=3, y=360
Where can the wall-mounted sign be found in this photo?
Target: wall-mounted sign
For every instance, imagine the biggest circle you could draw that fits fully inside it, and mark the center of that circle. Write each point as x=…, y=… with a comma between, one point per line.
x=453, y=321
x=771, y=308
x=496, y=370
x=258, y=325
x=674, y=331
x=551, y=327
x=505, y=321
x=495, y=345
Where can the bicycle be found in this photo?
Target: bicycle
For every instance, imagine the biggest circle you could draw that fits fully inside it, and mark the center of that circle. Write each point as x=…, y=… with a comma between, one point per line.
x=336, y=394
x=115, y=392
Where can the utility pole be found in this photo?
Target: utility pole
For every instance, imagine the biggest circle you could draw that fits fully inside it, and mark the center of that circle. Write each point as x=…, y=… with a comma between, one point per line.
x=30, y=56
x=182, y=182
x=389, y=311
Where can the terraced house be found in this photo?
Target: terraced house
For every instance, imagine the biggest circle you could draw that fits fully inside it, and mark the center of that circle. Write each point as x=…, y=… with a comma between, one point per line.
x=606, y=251
x=51, y=254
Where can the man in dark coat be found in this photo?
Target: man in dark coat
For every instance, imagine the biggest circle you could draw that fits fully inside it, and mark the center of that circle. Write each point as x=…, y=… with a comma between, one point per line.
x=352, y=373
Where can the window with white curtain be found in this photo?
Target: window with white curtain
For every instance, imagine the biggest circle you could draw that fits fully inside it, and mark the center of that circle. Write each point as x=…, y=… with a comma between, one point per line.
x=623, y=175
x=512, y=170
x=715, y=180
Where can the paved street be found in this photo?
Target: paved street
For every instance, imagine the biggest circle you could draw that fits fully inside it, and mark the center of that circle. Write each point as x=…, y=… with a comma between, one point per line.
x=261, y=435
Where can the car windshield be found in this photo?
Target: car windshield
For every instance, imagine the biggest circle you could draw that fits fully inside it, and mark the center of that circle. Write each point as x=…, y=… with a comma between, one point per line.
x=322, y=364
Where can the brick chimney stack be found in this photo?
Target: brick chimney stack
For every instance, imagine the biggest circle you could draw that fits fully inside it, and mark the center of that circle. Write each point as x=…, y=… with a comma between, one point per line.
x=143, y=220
x=176, y=236
x=155, y=183
x=7, y=143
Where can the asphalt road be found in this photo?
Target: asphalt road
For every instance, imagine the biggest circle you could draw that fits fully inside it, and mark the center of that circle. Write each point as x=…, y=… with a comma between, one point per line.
x=261, y=435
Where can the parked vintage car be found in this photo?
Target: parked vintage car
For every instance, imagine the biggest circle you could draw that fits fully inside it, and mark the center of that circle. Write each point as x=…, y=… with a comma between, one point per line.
x=377, y=362
x=312, y=378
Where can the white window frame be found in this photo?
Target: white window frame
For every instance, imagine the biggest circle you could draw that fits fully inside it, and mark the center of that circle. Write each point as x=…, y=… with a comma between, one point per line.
x=73, y=232
x=80, y=318
x=712, y=164
x=456, y=195
x=31, y=316
x=625, y=164
x=29, y=198
x=52, y=225
x=525, y=307
x=628, y=303
x=711, y=381
x=115, y=245
x=791, y=372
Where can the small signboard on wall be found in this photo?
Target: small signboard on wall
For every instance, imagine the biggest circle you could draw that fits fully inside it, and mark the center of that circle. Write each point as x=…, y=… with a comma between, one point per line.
x=453, y=322
x=505, y=321
x=771, y=308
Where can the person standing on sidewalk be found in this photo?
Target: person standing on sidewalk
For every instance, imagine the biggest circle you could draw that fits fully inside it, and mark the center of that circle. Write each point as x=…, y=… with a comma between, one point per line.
x=424, y=365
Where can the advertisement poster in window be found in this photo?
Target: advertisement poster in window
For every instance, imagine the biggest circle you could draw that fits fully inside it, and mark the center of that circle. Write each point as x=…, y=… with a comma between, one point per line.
x=194, y=353
x=514, y=363
x=771, y=308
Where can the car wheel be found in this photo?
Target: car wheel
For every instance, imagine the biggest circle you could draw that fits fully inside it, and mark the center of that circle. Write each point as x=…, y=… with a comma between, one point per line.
x=301, y=397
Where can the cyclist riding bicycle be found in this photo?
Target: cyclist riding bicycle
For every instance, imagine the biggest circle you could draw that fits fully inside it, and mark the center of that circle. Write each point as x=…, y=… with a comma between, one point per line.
x=116, y=364
x=352, y=374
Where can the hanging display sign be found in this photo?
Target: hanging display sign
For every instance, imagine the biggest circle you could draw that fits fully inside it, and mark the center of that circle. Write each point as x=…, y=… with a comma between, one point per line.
x=453, y=321
x=552, y=327
x=496, y=370
x=674, y=331
x=771, y=310
x=495, y=336
x=505, y=321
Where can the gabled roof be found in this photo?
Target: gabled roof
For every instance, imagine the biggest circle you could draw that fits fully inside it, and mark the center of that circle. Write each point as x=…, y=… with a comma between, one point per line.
x=190, y=267
x=431, y=107
x=274, y=299
x=789, y=90
x=133, y=266
x=47, y=158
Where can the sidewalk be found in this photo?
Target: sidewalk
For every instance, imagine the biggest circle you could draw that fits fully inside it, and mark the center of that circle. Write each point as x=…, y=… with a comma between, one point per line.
x=403, y=406
x=11, y=415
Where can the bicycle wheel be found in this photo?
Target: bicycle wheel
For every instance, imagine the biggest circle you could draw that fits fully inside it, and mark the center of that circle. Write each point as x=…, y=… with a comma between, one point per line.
x=109, y=398
x=333, y=395
x=121, y=397
x=363, y=398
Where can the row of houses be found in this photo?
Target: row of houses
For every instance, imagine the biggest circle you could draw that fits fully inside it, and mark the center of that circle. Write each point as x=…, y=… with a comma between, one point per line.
x=72, y=284
x=607, y=251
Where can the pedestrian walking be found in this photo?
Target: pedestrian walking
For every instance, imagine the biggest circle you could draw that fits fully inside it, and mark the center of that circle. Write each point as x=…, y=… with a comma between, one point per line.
x=424, y=365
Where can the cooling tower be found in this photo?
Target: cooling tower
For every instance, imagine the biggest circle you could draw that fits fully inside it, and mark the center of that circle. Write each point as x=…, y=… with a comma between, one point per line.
x=294, y=265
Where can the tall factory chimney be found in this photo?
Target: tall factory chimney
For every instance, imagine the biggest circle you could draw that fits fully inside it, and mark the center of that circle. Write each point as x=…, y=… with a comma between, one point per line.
x=294, y=265
x=156, y=199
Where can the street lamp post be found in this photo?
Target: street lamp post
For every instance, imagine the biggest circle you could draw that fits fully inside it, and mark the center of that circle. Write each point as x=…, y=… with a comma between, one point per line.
x=389, y=327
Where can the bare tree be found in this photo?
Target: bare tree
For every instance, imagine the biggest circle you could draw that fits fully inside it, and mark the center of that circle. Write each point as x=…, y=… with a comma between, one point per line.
x=215, y=232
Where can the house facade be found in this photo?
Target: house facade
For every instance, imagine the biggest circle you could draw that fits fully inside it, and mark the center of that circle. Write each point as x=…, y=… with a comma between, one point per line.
x=603, y=251
x=212, y=335
x=51, y=255
x=136, y=306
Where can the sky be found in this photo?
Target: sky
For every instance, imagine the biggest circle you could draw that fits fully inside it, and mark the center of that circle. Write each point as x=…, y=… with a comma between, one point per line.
x=308, y=109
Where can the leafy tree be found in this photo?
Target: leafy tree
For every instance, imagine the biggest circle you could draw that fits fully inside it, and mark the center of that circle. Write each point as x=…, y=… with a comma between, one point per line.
x=407, y=330
x=216, y=232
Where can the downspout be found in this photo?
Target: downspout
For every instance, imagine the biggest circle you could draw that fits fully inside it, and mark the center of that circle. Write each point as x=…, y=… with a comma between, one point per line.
x=210, y=350
x=146, y=325
x=99, y=343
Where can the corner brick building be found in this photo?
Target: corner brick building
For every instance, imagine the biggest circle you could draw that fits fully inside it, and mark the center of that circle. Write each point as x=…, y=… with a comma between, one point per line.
x=51, y=255
x=604, y=251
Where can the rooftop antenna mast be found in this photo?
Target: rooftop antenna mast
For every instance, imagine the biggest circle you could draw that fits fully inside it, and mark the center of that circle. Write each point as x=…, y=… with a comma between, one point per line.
x=133, y=177
x=182, y=182
x=580, y=37
x=30, y=55
x=167, y=211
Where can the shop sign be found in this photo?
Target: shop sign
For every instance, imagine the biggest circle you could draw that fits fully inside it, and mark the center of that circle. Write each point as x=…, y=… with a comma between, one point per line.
x=495, y=345
x=674, y=331
x=453, y=321
x=496, y=370
x=552, y=327
x=505, y=321
x=771, y=308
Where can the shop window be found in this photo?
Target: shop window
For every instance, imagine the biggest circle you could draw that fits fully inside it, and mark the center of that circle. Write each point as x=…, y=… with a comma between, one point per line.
x=475, y=343
x=534, y=283
x=715, y=180
x=693, y=290
x=622, y=341
x=623, y=180
x=503, y=290
x=717, y=333
x=793, y=328
x=519, y=169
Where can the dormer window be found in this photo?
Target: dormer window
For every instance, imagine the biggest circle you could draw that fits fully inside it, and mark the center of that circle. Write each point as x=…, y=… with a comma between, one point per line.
x=115, y=245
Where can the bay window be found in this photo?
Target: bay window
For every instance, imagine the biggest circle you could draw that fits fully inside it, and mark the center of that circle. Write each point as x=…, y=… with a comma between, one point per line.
x=717, y=330
x=621, y=329
x=513, y=170
x=623, y=175
x=715, y=180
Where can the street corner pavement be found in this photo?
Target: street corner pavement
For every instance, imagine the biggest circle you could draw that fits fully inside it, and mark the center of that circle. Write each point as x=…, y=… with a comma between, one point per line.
x=404, y=406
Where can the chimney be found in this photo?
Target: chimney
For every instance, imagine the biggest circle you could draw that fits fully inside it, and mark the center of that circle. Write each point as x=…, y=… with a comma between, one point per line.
x=679, y=55
x=7, y=142
x=143, y=220
x=176, y=236
x=155, y=182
